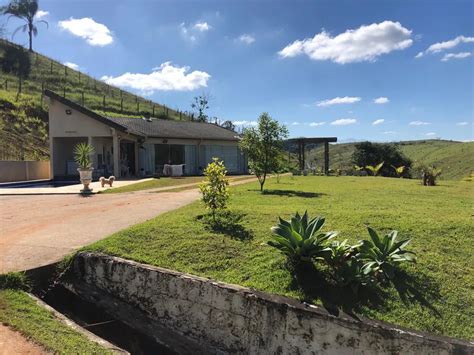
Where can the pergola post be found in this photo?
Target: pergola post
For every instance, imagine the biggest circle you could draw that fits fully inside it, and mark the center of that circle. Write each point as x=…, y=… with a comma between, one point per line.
x=326, y=158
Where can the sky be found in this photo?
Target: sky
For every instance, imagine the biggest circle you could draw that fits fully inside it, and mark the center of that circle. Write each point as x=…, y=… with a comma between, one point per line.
x=358, y=70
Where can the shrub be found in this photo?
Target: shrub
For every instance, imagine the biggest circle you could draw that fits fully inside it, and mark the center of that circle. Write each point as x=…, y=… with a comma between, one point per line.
x=375, y=169
x=429, y=175
x=367, y=153
x=215, y=187
x=383, y=255
x=299, y=238
x=14, y=280
x=400, y=170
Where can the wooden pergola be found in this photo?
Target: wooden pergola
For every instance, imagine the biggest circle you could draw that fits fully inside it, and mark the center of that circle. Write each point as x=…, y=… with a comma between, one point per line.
x=315, y=140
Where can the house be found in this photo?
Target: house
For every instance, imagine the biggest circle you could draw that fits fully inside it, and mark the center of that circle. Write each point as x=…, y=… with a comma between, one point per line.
x=136, y=147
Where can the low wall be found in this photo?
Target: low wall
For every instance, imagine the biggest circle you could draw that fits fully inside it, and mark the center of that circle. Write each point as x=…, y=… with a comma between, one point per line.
x=235, y=319
x=11, y=171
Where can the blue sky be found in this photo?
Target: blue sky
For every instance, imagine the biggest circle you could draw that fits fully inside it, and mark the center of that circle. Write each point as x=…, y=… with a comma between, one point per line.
x=317, y=66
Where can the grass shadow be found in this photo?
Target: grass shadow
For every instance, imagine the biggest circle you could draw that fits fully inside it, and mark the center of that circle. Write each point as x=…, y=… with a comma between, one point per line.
x=315, y=283
x=418, y=288
x=228, y=223
x=293, y=193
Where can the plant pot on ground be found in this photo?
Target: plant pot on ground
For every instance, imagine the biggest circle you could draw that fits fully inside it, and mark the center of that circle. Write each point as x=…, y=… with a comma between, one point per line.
x=82, y=156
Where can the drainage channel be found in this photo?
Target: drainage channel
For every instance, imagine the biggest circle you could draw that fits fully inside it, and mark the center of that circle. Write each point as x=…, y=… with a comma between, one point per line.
x=91, y=317
x=102, y=324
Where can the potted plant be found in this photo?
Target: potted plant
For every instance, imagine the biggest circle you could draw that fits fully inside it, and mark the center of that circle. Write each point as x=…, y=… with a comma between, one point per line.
x=82, y=156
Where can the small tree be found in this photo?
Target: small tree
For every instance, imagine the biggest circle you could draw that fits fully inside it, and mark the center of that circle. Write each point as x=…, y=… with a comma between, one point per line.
x=263, y=145
x=215, y=187
x=200, y=104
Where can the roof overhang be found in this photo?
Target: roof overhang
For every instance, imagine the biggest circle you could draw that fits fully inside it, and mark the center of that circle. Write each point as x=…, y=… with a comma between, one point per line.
x=312, y=140
x=90, y=113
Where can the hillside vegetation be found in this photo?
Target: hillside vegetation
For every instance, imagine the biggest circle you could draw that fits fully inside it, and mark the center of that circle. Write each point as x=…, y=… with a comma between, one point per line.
x=455, y=159
x=23, y=109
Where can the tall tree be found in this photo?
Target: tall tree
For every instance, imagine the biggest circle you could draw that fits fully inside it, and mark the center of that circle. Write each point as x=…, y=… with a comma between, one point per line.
x=25, y=10
x=200, y=104
x=263, y=146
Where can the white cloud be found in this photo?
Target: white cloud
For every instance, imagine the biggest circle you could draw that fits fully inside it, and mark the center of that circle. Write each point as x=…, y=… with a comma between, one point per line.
x=344, y=122
x=245, y=123
x=295, y=123
x=339, y=100
x=419, y=123
x=430, y=134
x=442, y=46
x=71, y=65
x=379, y=121
x=202, y=26
x=381, y=100
x=41, y=13
x=365, y=43
x=166, y=77
x=247, y=39
x=389, y=132
x=464, y=123
x=96, y=34
x=317, y=124
x=461, y=55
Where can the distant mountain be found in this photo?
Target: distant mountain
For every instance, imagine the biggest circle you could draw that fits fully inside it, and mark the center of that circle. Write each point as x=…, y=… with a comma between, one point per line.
x=456, y=159
x=23, y=110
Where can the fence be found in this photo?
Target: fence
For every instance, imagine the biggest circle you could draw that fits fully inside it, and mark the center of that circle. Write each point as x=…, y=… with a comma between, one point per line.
x=11, y=171
x=42, y=73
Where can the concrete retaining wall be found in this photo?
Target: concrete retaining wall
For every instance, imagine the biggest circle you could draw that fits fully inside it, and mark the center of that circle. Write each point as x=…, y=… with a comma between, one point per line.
x=234, y=319
x=11, y=171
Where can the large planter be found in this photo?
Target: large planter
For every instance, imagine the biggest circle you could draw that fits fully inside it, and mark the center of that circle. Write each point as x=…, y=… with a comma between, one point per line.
x=86, y=178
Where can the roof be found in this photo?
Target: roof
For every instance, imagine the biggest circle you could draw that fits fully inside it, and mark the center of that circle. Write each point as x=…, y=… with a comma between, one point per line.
x=155, y=127
x=175, y=129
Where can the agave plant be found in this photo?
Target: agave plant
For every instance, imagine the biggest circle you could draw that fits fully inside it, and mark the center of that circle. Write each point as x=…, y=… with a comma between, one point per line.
x=338, y=253
x=300, y=238
x=354, y=273
x=384, y=254
x=375, y=169
x=82, y=155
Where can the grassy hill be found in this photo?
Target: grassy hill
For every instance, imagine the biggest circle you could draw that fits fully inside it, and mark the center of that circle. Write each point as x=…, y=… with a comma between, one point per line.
x=456, y=159
x=23, y=110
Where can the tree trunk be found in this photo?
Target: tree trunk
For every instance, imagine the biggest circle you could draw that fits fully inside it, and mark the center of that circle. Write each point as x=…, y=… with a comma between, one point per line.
x=30, y=34
x=262, y=182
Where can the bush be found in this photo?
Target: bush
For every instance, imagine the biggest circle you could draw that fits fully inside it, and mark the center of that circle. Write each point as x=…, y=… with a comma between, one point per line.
x=429, y=175
x=14, y=280
x=215, y=187
x=371, y=154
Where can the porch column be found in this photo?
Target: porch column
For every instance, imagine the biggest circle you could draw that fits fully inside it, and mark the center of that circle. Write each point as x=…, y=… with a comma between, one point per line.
x=326, y=158
x=137, y=173
x=90, y=141
x=116, y=148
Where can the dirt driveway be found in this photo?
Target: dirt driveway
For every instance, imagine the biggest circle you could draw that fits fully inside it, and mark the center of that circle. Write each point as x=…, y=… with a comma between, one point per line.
x=41, y=229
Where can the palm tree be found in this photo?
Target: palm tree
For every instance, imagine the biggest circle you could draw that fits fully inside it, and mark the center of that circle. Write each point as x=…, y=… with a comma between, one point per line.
x=26, y=11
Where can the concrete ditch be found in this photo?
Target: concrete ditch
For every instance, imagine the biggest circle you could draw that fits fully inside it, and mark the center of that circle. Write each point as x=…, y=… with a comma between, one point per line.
x=188, y=314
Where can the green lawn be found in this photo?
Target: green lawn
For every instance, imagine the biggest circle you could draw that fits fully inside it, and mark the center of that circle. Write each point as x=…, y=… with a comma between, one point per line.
x=21, y=313
x=165, y=182
x=439, y=219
